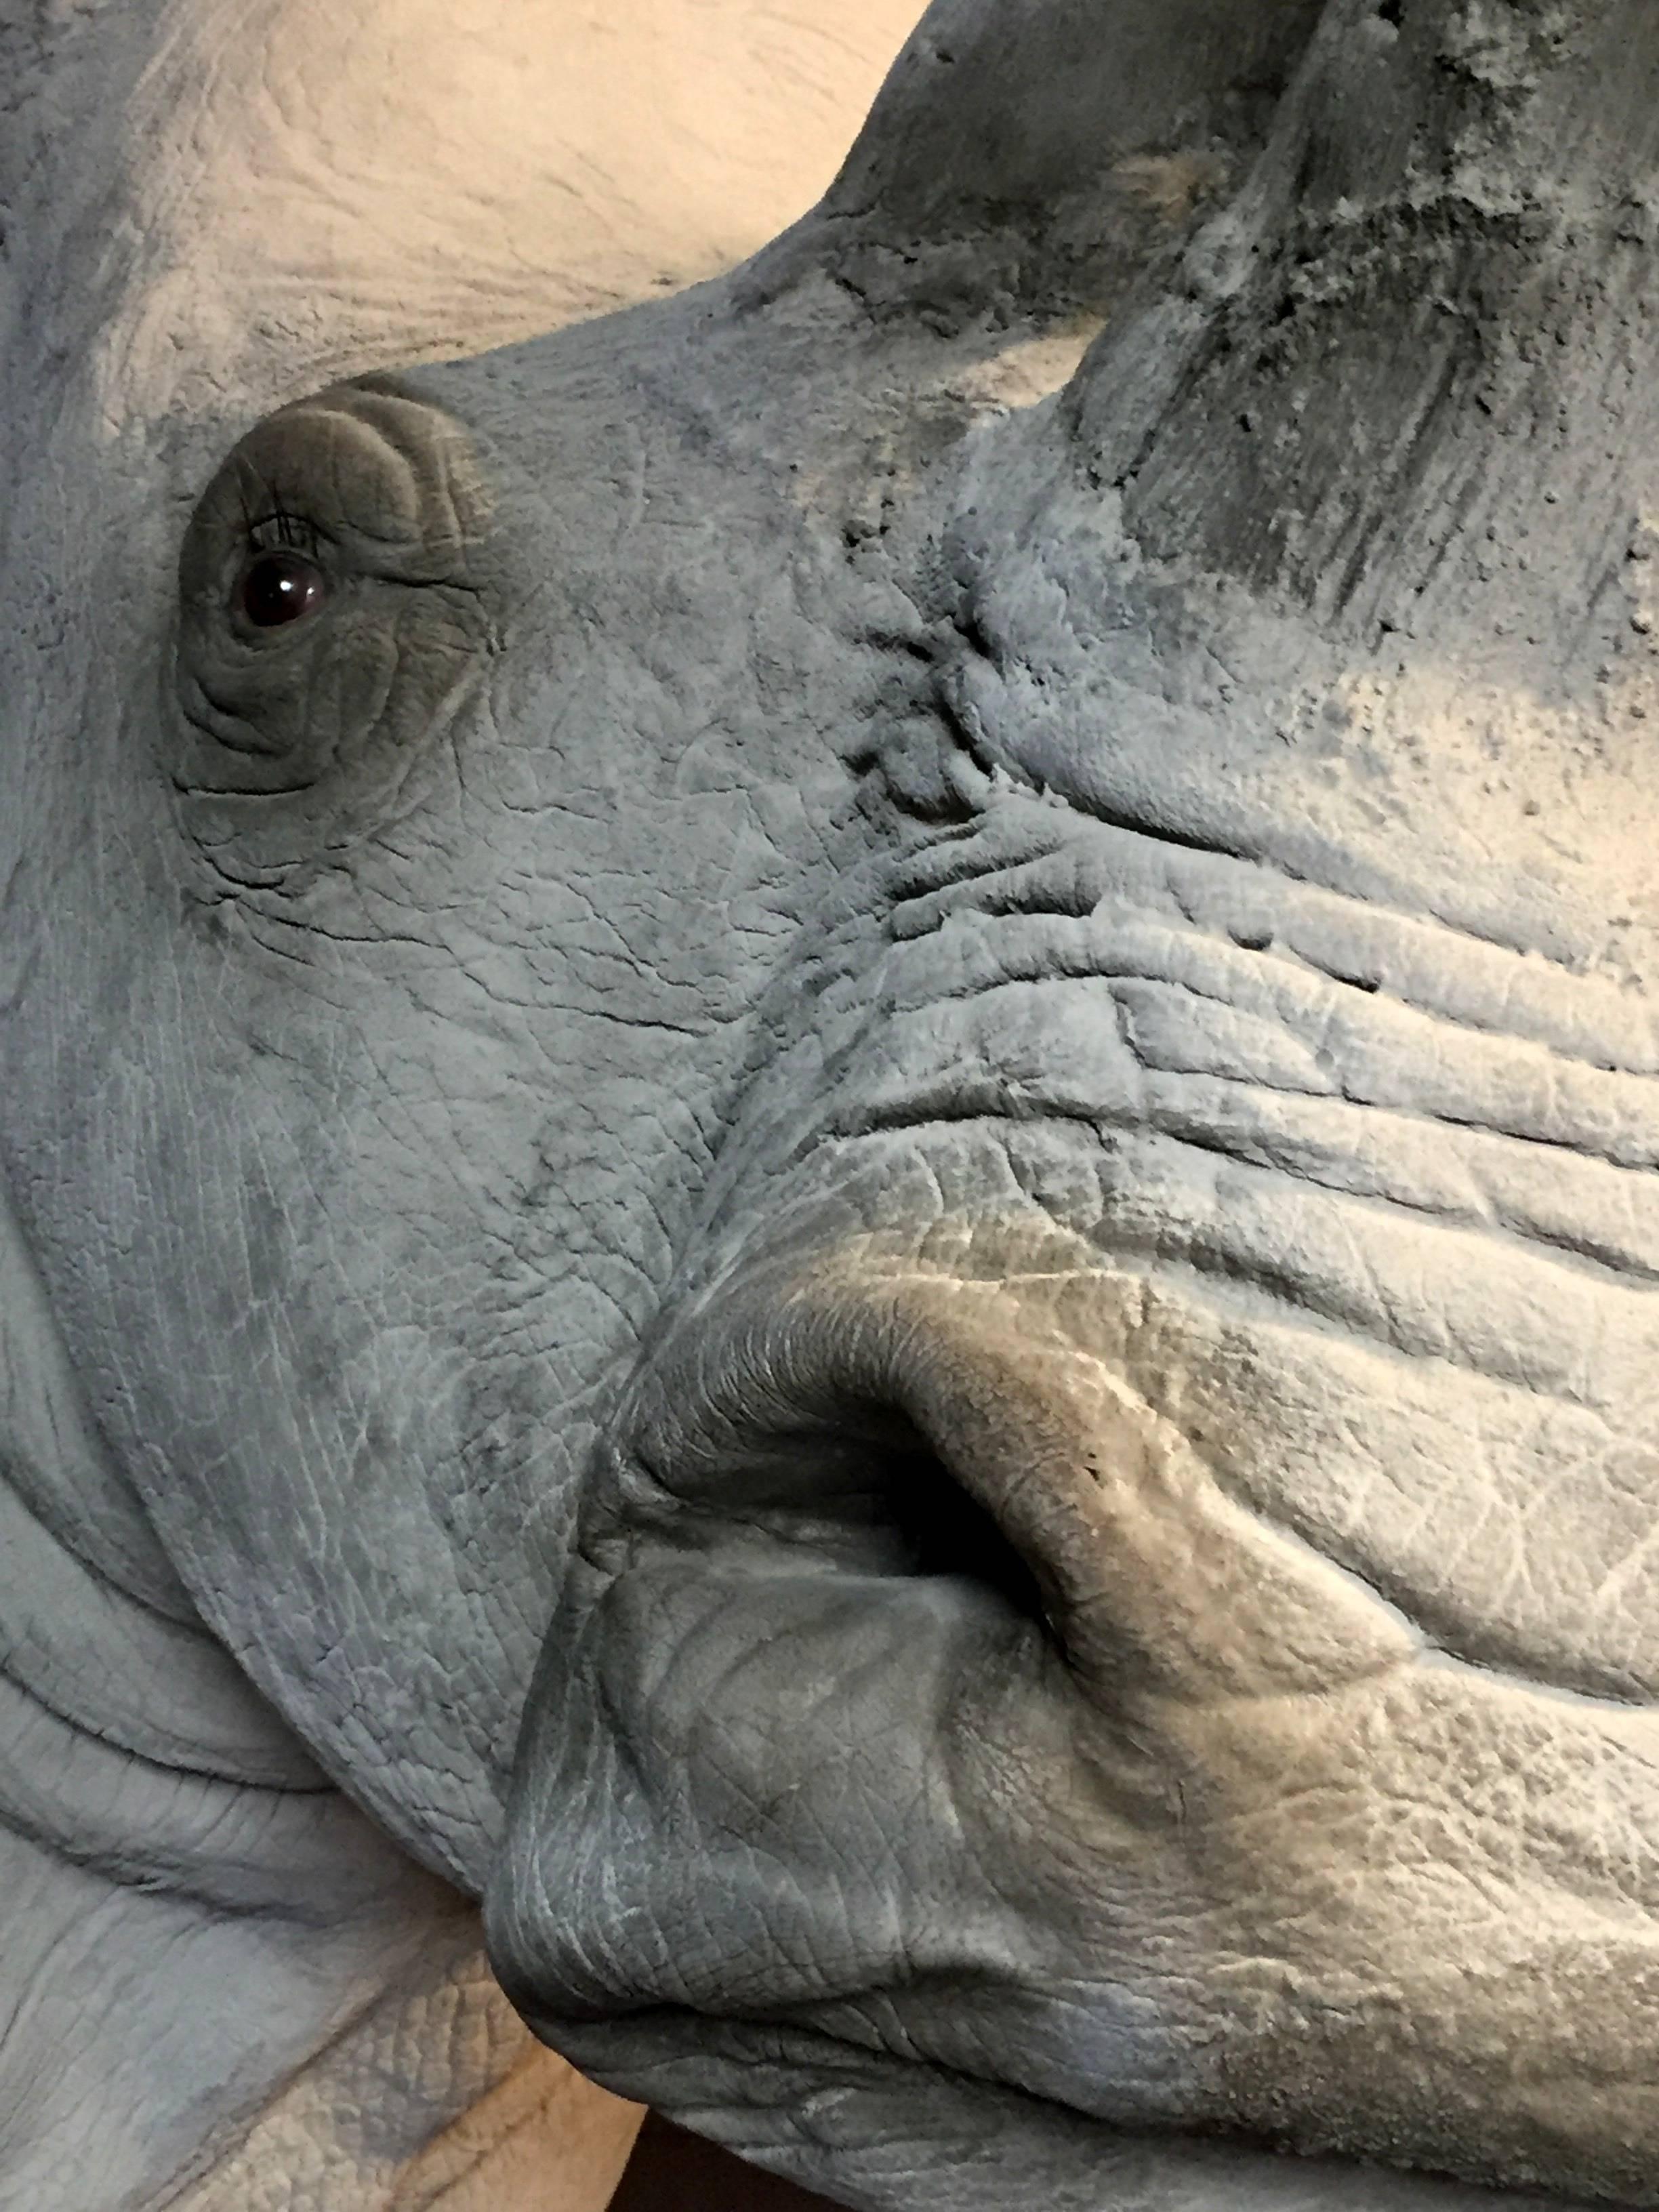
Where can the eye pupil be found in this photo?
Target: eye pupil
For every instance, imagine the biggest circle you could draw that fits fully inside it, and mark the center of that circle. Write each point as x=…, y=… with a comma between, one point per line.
x=278, y=588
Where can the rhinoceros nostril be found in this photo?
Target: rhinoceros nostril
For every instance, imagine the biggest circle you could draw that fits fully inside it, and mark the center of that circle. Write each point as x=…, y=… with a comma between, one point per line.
x=814, y=1421
x=948, y=1533
x=902, y=1422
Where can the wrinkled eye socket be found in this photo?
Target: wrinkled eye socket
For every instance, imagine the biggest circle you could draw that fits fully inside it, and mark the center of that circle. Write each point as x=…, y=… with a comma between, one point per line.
x=278, y=587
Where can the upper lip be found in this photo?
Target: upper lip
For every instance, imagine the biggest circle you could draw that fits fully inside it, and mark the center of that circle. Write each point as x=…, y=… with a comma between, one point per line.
x=892, y=2133
x=748, y=1663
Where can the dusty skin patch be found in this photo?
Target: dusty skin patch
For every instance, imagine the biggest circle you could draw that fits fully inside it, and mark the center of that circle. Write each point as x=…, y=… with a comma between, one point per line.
x=1013, y=370
x=1171, y=185
x=1016, y=369
x=315, y=191
x=1512, y=783
x=1031, y=369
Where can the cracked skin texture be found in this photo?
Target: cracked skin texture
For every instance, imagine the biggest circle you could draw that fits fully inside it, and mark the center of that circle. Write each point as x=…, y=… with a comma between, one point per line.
x=929, y=1121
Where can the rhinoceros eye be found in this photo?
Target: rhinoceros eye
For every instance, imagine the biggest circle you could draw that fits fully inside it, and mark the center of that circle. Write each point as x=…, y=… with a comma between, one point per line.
x=278, y=586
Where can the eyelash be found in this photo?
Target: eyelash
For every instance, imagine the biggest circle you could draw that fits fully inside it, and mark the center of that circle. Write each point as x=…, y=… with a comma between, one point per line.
x=281, y=526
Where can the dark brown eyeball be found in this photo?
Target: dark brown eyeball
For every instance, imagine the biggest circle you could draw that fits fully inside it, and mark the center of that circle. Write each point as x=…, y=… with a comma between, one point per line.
x=279, y=586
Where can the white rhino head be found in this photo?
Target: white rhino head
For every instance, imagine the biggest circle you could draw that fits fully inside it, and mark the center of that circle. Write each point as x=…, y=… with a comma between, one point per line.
x=882, y=1040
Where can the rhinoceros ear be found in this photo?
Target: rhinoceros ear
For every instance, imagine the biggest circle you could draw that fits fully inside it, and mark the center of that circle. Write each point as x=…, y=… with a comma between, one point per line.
x=1025, y=157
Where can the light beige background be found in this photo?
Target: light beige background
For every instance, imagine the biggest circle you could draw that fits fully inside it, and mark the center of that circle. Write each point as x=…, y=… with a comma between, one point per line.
x=323, y=187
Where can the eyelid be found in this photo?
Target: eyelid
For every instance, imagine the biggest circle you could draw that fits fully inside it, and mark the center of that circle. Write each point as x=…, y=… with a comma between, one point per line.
x=280, y=527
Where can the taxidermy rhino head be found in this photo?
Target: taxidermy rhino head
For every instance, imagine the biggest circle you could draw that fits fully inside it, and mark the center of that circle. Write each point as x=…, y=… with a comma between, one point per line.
x=884, y=1040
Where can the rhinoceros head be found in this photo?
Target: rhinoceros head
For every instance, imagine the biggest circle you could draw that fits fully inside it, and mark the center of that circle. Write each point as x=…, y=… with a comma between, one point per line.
x=883, y=1039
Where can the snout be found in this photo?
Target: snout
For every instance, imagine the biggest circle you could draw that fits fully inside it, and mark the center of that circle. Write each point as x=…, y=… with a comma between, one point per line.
x=927, y=1716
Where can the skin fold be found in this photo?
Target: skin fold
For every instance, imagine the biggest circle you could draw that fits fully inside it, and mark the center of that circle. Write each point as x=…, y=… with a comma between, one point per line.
x=859, y=1172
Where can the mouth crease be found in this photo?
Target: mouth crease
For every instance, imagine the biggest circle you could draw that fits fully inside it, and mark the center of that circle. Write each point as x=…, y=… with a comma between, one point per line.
x=784, y=2040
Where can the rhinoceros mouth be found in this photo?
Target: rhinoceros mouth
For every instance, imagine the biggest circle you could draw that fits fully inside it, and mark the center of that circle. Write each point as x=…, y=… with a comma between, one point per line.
x=924, y=1722
x=899, y=2133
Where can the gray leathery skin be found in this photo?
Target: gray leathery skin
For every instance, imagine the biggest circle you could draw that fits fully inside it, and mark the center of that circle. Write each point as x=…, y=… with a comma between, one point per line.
x=1361, y=1226
x=153, y=1809
x=943, y=1099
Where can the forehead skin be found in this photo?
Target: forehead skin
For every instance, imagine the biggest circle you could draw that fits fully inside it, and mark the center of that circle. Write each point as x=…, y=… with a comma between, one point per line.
x=323, y=189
